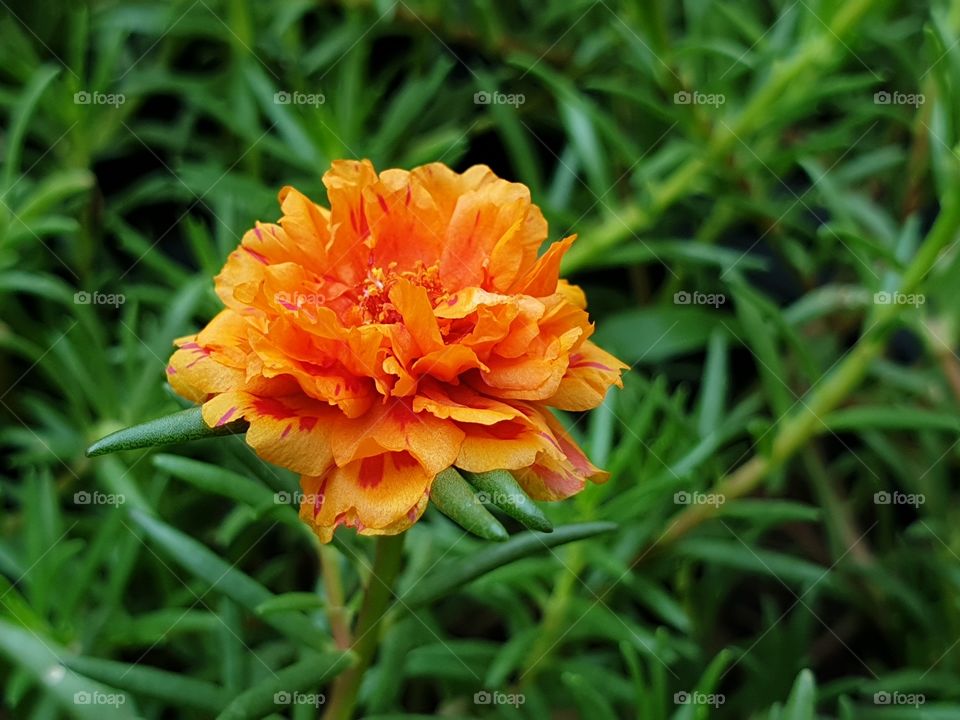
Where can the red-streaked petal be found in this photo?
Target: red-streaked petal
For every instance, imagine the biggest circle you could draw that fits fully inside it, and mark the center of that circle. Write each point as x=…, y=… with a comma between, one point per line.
x=589, y=375
x=378, y=495
x=461, y=404
x=213, y=360
x=293, y=431
x=507, y=445
x=561, y=468
x=394, y=427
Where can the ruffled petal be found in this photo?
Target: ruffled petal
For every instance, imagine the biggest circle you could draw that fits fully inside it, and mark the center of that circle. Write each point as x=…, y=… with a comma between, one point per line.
x=561, y=468
x=349, y=246
x=481, y=219
x=318, y=368
x=507, y=445
x=214, y=360
x=291, y=431
x=589, y=375
x=401, y=207
x=541, y=279
x=395, y=427
x=530, y=377
x=381, y=494
x=414, y=307
x=459, y=403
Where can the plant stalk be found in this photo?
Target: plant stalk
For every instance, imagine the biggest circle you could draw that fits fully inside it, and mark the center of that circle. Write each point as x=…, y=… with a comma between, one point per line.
x=333, y=586
x=366, y=634
x=797, y=430
x=815, y=54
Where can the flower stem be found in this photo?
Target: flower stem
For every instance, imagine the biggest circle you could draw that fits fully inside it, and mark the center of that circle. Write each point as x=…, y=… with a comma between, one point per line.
x=333, y=586
x=366, y=634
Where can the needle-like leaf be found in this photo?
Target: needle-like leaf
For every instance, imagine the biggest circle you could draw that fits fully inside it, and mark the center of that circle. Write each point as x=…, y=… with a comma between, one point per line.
x=179, y=427
x=457, y=499
x=500, y=489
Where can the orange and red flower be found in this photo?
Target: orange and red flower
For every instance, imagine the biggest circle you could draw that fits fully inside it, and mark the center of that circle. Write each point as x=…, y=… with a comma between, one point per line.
x=410, y=327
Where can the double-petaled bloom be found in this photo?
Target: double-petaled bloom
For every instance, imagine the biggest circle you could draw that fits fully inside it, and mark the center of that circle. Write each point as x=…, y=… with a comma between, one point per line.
x=408, y=328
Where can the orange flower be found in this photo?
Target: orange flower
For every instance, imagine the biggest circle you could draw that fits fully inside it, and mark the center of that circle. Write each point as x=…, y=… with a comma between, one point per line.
x=408, y=328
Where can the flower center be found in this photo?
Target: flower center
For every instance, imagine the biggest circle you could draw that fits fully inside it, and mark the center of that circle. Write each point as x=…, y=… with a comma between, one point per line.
x=373, y=302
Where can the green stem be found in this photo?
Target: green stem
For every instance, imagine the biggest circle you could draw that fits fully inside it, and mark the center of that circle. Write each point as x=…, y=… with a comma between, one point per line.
x=554, y=617
x=813, y=56
x=333, y=587
x=386, y=566
x=797, y=430
x=558, y=604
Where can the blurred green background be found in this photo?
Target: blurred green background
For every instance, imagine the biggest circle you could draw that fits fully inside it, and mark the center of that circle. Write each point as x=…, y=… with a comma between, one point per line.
x=766, y=195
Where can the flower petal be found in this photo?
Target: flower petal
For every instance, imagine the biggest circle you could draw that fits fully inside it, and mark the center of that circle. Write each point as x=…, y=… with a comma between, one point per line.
x=589, y=375
x=213, y=360
x=462, y=404
x=378, y=495
x=541, y=279
x=349, y=225
x=292, y=431
x=507, y=445
x=480, y=219
x=561, y=468
x=395, y=427
x=414, y=307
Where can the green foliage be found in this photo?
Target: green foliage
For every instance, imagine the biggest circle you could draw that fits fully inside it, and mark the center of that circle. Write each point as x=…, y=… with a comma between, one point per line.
x=178, y=427
x=769, y=244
